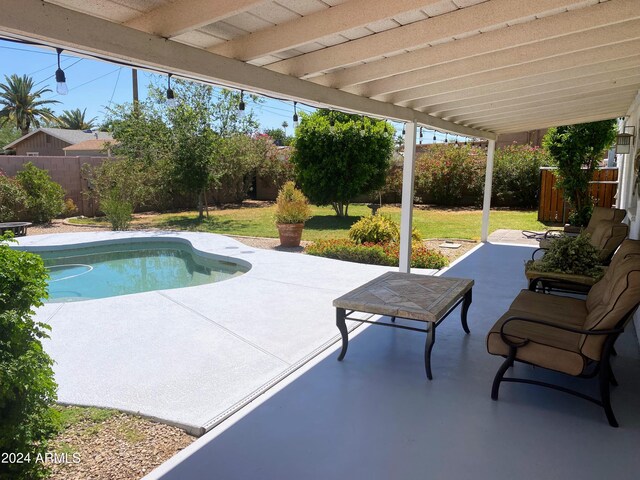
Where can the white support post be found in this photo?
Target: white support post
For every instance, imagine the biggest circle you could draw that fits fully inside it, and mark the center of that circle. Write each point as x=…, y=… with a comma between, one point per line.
x=406, y=217
x=486, y=202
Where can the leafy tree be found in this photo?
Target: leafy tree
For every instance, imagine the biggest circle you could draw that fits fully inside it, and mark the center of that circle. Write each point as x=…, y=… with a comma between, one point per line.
x=577, y=149
x=195, y=146
x=8, y=133
x=27, y=387
x=76, y=120
x=279, y=136
x=21, y=105
x=340, y=156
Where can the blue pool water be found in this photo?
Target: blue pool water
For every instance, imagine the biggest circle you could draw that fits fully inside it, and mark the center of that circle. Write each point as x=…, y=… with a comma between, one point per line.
x=119, y=269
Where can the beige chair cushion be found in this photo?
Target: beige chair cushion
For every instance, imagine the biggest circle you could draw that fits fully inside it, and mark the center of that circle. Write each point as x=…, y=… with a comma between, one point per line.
x=602, y=214
x=607, y=237
x=609, y=301
x=548, y=347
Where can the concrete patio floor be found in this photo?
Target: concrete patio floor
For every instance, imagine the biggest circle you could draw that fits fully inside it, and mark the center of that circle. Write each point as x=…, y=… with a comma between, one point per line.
x=375, y=416
x=193, y=356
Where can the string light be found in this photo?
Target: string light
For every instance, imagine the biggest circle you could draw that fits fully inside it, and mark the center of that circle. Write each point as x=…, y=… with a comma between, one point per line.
x=61, y=80
x=446, y=140
x=434, y=137
x=295, y=115
x=404, y=129
x=241, y=105
x=420, y=134
x=171, y=99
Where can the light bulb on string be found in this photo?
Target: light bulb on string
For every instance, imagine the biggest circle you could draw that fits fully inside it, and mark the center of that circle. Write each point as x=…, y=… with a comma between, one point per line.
x=61, y=80
x=171, y=98
x=241, y=105
x=295, y=116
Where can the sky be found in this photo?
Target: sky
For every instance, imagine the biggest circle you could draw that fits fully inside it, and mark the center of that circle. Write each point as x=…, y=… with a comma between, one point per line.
x=95, y=84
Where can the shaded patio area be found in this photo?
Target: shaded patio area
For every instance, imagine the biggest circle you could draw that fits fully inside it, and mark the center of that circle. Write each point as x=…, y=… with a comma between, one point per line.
x=375, y=415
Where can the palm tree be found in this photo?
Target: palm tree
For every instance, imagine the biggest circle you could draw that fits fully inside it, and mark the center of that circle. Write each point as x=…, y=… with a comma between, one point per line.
x=75, y=120
x=22, y=105
x=285, y=124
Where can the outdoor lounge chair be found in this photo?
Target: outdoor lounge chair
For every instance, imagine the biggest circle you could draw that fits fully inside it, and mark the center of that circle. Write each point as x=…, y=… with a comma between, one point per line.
x=599, y=214
x=606, y=233
x=570, y=335
x=568, y=283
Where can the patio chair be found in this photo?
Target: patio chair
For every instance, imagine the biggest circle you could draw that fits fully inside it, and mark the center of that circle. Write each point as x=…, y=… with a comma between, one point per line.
x=568, y=283
x=605, y=235
x=599, y=214
x=570, y=335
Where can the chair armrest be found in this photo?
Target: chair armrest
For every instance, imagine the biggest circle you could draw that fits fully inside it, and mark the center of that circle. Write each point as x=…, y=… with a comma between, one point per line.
x=539, y=249
x=554, y=232
x=566, y=328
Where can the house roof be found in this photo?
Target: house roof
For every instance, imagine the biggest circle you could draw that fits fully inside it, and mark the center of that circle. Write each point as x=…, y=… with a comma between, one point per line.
x=94, y=144
x=70, y=136
x=472, y=67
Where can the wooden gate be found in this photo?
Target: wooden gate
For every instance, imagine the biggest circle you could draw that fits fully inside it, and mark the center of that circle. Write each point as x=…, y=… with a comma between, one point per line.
x=552, y=207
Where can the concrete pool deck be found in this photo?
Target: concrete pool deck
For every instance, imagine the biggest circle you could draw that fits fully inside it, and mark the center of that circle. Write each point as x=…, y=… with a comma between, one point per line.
x=193, y=356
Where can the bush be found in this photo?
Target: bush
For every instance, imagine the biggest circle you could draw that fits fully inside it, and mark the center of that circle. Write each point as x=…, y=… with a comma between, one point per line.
x=13, y=199
x=121, y=186
x=573, y=255
x=377, y=229
x=291, y=206
x=27, y=387
x=119, y=212
x=351, y=252
x=387, y=254
x=70, y=208
x=450, y=175
x=516, y=175
x=45, y=198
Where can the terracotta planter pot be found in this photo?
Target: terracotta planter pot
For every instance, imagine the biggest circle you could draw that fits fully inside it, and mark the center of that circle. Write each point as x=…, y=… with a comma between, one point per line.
x=290, y=234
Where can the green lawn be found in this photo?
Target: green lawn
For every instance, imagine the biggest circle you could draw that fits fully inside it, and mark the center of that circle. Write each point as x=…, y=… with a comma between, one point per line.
x=258, y=222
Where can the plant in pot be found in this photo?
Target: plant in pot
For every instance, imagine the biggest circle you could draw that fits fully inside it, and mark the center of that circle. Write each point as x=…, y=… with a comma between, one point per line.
x=292, y=210
x=569, y=256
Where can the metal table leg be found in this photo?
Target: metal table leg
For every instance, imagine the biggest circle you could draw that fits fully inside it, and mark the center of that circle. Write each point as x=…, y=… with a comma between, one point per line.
x=342, y=326
x=468, y=297
x=431, y=338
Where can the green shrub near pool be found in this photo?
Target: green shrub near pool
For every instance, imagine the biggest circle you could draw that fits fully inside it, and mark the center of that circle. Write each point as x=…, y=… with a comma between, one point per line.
x=387, y=254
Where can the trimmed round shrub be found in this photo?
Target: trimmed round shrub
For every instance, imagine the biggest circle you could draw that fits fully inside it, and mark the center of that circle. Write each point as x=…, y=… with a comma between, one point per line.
x=377, y=229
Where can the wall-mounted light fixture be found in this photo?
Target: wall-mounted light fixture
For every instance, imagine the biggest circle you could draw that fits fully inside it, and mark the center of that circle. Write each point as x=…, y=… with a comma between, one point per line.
x=624, y=141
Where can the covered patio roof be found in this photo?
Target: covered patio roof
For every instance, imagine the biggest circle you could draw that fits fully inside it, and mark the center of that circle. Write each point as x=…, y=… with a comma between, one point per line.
x=472, y=67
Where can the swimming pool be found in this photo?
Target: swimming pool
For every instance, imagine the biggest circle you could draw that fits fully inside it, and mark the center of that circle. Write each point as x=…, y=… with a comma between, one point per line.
x=100, y=271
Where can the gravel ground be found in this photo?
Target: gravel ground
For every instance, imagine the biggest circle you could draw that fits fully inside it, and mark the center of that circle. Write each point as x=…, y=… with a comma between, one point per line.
x=123, y=447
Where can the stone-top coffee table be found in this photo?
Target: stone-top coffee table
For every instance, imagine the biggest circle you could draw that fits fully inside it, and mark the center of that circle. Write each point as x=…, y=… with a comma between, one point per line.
x=414, y=297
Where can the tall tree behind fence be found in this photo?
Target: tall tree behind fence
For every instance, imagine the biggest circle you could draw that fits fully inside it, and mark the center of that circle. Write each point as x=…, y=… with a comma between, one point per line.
x=552, y=207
